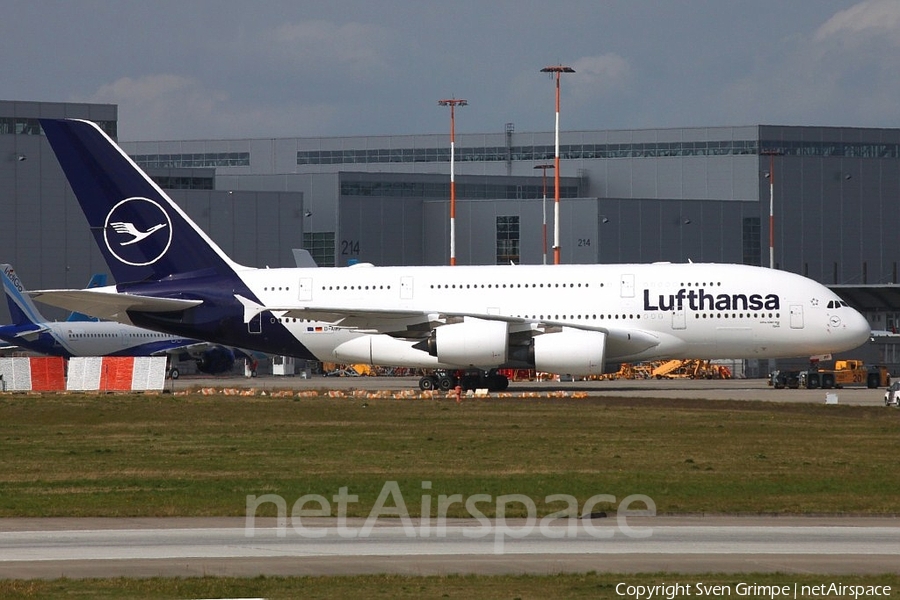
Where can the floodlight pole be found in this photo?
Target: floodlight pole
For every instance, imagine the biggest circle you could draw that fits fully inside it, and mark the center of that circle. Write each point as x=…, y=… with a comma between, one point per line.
x=452, y=103
x=771, y=154
x=544, y=207
x=558, y=69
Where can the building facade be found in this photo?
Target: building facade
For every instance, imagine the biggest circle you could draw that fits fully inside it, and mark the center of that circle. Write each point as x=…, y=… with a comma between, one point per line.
x=46, y=238
x=698, y=194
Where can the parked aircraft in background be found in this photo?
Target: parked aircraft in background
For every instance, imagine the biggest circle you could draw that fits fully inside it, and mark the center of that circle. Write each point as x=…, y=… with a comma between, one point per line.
x=97, y=280
x=86, y=336
x=568, y=319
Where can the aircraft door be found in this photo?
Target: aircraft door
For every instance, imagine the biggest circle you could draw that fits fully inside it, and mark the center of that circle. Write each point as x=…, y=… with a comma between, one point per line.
x=406, y=288
x=304, y=292
x=796, y=316
x=255, y=324
x=626, y=286
x=678, y=320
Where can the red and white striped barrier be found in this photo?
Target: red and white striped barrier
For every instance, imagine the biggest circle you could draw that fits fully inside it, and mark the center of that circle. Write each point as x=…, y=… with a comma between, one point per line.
x=116, y=373
x=39, y=374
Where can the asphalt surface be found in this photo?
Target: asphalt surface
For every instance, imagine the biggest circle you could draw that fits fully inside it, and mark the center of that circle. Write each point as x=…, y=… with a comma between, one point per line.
x=52, y=548
x=704, y=389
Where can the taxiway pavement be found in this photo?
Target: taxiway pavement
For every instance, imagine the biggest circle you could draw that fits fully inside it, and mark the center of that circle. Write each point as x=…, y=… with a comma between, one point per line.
x=52, y=548
x=702, y=389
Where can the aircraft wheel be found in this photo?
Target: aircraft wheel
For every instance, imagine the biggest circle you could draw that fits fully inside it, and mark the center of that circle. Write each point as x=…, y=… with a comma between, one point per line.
x=445, y=383
x=427, y=383
x=498, y=383
x=469, y=382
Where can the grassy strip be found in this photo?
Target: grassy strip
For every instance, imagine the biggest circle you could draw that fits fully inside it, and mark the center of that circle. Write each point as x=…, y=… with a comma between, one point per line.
x=589, y=585
x=73, y=455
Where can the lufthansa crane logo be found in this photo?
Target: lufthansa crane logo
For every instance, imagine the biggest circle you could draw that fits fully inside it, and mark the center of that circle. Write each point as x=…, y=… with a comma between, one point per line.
x=137, y=231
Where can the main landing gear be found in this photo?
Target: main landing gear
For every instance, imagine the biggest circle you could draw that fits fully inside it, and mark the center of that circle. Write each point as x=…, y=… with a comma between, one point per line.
x=468, y=380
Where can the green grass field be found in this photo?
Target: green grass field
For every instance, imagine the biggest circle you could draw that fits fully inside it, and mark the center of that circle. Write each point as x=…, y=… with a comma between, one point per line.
x=524, y=587
x=159, y=455
x=73, y=455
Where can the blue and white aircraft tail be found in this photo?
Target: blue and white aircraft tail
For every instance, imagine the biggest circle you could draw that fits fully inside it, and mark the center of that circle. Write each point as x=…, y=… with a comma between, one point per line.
x=97, y=280
x=558, y=318
x=90, y=337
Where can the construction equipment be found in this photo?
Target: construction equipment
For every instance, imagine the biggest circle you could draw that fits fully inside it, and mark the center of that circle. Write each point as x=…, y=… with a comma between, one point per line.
x=671, y=369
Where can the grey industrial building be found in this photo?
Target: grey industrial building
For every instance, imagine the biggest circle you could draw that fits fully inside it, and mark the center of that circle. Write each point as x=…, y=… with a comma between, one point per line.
x=699, y=194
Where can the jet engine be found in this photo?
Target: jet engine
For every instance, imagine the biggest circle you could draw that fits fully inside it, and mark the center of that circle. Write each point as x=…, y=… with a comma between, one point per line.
x=217, y=359
x=570, y=351
x=472, y=343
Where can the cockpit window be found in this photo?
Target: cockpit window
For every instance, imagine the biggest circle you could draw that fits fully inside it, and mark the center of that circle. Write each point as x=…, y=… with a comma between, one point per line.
x=837, y=304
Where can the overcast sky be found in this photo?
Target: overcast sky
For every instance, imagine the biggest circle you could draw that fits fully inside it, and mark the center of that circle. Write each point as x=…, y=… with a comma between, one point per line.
x=203, y=69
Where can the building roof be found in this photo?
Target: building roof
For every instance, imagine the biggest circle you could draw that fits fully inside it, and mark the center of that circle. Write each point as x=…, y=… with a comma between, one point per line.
x=870, y=297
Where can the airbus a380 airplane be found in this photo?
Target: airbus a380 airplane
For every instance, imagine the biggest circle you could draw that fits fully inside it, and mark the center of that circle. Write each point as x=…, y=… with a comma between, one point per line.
x=561, y=318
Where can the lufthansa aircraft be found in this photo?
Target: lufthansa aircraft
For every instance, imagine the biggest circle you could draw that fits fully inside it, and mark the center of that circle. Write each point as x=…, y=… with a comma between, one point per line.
x=568, y=319
x=79, y=336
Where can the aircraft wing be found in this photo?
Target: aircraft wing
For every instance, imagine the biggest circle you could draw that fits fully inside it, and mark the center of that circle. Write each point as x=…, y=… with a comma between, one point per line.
x=107, y=304
x=418, y=324
x=369, y=320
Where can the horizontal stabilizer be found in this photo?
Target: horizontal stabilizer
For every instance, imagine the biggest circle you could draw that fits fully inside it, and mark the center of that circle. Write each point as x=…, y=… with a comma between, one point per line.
x=109, y=304
x=31, y=333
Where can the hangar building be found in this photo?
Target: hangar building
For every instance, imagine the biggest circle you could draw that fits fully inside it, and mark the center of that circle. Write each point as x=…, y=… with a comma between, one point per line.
x=699, y=194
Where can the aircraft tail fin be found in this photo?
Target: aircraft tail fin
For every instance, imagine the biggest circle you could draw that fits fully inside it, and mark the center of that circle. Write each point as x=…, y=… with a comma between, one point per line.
x=21, y=308
x=142, y=234
x=97, y=280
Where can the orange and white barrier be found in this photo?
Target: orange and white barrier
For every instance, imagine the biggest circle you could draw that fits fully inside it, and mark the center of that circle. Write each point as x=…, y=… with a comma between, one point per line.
x=116, y=373
x=39, y=374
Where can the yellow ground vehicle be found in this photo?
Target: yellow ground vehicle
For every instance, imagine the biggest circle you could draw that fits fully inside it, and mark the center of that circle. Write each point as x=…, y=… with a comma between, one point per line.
x=846, y=373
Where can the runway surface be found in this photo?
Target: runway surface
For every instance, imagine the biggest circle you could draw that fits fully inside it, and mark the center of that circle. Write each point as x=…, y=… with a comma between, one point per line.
x=51, y=548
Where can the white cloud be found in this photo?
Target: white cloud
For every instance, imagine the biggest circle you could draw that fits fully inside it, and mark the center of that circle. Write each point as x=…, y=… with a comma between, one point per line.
x=151, y=91
x=840, y=73
x=604, y=73
x=866, y=19
x=601, y=76
x=167, y=106
x=323, y=44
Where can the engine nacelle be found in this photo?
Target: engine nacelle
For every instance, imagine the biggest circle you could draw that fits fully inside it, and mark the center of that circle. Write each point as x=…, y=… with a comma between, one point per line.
x=472, y=343
x=384, y=350
x=570, y=351
x=217, y=359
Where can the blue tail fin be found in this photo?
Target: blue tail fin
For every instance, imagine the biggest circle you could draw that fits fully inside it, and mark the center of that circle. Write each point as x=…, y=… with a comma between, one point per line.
x=97, y=280
x=142, y=234
x=21, y=308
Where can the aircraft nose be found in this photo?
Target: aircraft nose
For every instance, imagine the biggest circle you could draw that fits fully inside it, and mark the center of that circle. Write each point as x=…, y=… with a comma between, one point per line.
x=856, y=330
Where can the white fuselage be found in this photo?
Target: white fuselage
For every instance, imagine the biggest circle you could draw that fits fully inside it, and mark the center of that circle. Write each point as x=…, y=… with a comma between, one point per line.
x=103, y=338
x=685, y=310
